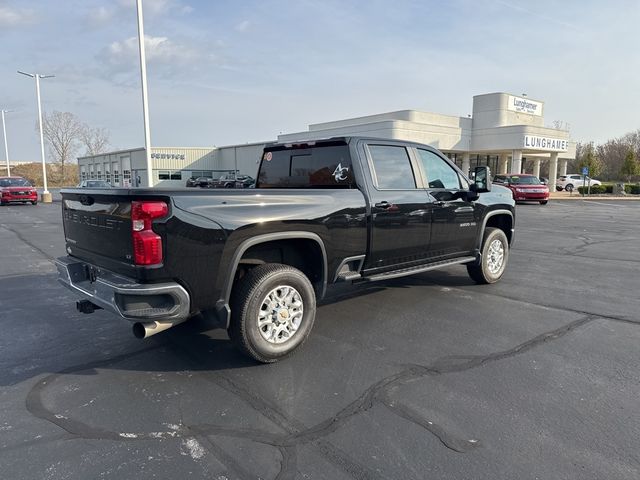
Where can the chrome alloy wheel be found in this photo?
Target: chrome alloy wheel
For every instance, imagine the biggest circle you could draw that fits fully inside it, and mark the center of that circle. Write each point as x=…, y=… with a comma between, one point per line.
x=280, y=314
x=495, y=256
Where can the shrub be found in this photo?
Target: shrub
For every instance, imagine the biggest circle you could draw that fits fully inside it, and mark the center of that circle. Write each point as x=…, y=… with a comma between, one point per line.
x=632, y=189
x=595, y=189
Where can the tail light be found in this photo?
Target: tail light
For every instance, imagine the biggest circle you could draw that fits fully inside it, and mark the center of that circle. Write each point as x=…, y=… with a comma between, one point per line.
x=147, y=245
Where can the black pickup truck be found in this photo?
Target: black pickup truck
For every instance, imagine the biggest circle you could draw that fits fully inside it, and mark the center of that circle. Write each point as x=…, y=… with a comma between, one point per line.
x=337, y=210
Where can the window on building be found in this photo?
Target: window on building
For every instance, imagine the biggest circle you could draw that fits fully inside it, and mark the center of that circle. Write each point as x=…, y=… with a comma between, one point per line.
x=164, y=175
x=439, y=173
x=107, y=176
x=201, y=173
x=126, y=177
x=176, y=175
x=392, y=167
x=116, y=177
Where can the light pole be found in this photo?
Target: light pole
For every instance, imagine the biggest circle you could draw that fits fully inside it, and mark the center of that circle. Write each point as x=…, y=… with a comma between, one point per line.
x=6, y=148
x=46, y=196
x=145, y=100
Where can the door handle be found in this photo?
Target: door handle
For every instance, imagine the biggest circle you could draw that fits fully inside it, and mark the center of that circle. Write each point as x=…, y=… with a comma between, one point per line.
x=439, y=203
x=383, y=205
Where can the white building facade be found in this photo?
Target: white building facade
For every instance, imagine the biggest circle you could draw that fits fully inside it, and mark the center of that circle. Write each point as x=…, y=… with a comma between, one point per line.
x=505, y=131
x=172, y=166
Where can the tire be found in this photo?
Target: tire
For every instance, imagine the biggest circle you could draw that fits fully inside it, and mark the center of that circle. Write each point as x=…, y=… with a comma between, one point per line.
x=491, y=268
x=544, y=202
x=272, y=340
x=569, y=187
x=35, y=202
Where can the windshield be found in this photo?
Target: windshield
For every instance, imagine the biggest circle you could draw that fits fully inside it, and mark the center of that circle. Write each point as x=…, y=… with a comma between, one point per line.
x=14, y=182
x=528, y=180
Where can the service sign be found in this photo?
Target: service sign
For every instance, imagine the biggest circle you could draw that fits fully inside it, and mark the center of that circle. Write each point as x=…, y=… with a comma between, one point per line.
x=549, y=144
x=524, y=105
x=168, y=156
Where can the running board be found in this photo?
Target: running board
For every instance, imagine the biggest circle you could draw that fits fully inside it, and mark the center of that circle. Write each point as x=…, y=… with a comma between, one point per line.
x=419, y=269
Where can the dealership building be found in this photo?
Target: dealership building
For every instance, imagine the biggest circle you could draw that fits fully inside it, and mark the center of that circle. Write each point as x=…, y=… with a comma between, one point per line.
x=505, y=131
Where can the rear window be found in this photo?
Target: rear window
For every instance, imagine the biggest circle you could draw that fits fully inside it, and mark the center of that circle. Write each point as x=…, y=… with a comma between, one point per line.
x=322, y=166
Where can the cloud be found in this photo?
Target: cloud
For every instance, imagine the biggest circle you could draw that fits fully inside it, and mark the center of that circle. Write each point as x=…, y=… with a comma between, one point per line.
x=243, y=26
x=13, y=17
x=159, y=7
x=100, y=16
x=157, y=49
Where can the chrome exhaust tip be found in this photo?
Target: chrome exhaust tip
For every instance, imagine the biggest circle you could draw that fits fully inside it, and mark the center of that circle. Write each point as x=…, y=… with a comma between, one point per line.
x=146, y=329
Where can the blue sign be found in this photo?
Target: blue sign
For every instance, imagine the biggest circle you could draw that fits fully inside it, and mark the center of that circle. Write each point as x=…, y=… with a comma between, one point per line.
x=585, y=170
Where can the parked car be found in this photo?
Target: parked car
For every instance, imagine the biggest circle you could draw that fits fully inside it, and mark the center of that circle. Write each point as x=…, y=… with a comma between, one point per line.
x=203, y=182
x=94, y=184
x=232, y=180
x=524, y=187
x=191, y=182
x=575, y=180
x=17, y=190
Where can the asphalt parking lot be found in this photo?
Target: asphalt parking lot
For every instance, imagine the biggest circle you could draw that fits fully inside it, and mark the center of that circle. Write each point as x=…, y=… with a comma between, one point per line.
x=430, y=376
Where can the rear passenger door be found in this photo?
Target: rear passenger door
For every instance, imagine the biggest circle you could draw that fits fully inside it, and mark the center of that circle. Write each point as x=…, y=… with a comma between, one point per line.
x=455, y=219
x=400, y=208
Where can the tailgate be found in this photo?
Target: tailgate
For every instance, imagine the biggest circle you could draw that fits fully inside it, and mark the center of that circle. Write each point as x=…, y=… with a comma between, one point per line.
x=98, y=226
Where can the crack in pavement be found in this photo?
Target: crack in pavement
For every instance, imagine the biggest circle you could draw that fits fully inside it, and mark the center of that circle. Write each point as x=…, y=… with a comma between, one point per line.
x=561, y=308
x=26, y=241
x=295, y=434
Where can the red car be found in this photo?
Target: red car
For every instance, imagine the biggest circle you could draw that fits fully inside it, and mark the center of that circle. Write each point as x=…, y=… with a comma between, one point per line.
x=17, y=190
x=525, y=188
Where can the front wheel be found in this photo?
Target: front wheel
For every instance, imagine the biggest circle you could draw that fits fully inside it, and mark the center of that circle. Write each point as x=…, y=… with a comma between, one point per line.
x=273, y=308
x=544, y=202
x=495, y=253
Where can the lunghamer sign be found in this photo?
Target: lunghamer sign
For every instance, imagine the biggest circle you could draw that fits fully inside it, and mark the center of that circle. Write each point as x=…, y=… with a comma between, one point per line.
x=523, y=105
x=545, y=143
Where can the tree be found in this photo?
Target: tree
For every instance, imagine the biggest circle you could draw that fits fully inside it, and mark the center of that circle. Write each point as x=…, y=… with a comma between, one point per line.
x=95, y=140
x=62, y=131
x=589, y=159
x=630, y=167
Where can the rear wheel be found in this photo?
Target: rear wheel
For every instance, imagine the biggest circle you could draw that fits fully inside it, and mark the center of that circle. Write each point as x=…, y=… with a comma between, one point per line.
x=495, y=253
x=273, y=308
x=544, y=202
x=35, y=202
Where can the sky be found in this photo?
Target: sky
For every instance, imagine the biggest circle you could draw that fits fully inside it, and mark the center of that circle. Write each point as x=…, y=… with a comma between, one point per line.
x=230, y=72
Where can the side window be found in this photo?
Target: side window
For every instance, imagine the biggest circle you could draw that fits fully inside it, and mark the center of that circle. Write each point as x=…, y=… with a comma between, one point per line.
x=392, y=167
x=439, y=173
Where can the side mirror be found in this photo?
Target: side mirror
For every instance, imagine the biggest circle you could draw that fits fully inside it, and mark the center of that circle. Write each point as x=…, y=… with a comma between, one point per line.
x=481, y=179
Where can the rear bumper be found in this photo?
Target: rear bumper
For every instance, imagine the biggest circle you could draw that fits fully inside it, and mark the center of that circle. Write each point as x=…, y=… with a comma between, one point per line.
x=122, y=295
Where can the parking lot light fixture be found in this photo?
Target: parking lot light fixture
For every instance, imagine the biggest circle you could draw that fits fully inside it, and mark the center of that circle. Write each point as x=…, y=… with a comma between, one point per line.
x=6, y=146
x=45, y=195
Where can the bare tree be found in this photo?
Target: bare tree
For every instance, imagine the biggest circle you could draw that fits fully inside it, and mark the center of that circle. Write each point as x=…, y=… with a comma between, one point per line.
x=62, y=131
x=95, y=140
